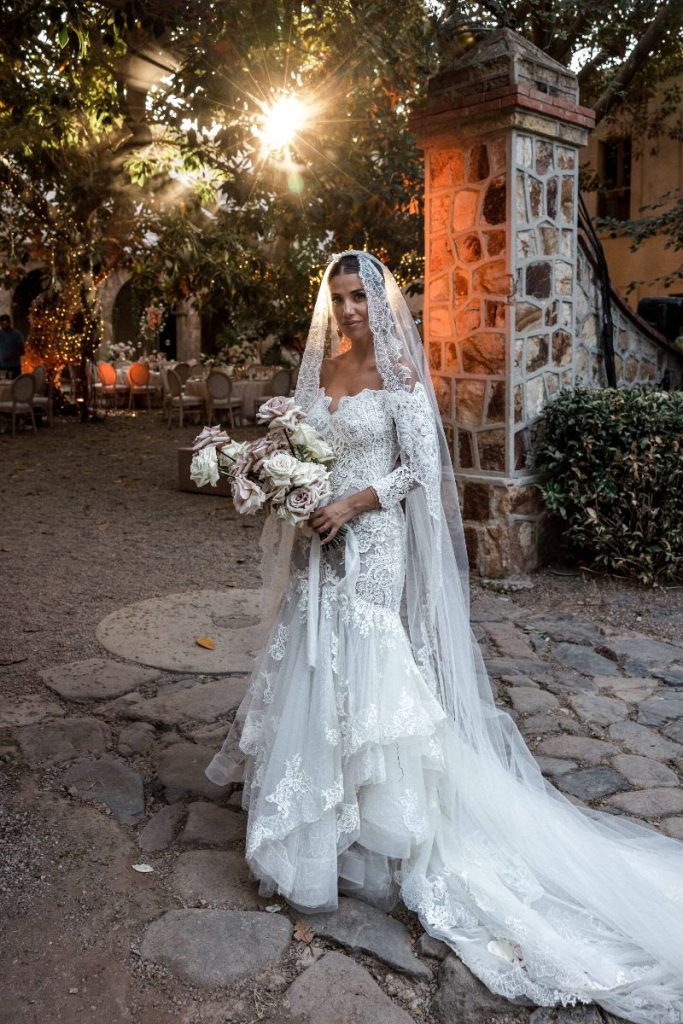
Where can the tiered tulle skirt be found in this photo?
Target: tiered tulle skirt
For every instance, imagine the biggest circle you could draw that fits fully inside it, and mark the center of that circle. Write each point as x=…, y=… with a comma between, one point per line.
x=340, y=762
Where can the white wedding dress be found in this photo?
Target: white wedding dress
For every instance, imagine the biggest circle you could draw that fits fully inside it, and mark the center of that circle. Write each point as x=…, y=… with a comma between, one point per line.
x=359, y=777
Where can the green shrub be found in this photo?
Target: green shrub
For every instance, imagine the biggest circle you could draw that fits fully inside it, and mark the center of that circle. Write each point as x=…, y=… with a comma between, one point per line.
x=613, y=470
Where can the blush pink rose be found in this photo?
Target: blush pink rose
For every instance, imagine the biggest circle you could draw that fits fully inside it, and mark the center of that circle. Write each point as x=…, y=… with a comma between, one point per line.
x=247, y=496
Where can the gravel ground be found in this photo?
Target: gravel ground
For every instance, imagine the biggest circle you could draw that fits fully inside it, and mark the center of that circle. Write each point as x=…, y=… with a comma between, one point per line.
x=94, y=521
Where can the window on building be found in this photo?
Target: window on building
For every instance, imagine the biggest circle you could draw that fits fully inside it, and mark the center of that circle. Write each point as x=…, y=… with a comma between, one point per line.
x=614, y=195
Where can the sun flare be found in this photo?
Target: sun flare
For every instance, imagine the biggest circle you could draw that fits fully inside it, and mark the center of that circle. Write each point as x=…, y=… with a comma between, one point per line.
x=282, y=119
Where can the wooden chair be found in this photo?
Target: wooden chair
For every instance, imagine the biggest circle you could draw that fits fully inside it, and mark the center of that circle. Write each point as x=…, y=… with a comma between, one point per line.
x=41, y=399
x=165, y=389
x=179, y=400
x=219, y=386
x=21, y=401
x=68, y=382
x=279, y=384
x=183, y=371
x=138, y=383
x=94, y=384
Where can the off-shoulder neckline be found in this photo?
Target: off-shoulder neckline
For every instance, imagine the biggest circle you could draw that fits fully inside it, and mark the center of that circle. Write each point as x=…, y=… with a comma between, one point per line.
x=328, y=398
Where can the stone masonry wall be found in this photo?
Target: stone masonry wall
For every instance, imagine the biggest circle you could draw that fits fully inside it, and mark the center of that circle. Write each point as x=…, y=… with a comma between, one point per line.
x=469, y=287
x=640, y=356
x=543, y=226
x=512, y=313
x=513, y=317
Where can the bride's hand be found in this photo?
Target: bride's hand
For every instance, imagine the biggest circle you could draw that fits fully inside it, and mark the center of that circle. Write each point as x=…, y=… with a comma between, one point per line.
x=329, y=519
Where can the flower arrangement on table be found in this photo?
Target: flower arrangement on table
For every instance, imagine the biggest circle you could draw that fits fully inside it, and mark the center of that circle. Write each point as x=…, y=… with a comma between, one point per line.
x=286, y=471
x=242, y=355
x=220, y=358
x=122, y=352
x=154, y=360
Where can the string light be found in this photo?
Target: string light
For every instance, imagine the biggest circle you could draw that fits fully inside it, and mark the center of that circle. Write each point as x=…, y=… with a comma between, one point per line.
x=64, y=326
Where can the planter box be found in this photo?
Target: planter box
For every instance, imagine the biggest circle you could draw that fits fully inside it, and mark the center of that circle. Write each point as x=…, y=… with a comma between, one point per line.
x=185, y=483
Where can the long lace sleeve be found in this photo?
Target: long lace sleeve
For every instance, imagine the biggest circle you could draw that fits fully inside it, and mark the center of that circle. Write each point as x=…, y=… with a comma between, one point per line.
x=418, y=451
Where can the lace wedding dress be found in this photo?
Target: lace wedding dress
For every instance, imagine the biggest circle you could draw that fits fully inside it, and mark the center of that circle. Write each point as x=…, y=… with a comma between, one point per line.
x=361, y=775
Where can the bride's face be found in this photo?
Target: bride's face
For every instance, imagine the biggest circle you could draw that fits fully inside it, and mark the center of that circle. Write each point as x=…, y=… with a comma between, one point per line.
x=350, y=306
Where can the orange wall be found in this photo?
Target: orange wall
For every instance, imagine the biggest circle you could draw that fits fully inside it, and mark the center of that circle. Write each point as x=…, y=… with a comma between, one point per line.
x=657, y=168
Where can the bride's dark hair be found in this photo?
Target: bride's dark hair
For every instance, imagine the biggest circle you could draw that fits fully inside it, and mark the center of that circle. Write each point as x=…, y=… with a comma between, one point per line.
x=349, y=264
x=345, y=265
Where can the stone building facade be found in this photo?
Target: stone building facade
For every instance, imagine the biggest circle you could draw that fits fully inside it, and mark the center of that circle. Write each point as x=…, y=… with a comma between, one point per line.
x=512, y=305
x=641, y=355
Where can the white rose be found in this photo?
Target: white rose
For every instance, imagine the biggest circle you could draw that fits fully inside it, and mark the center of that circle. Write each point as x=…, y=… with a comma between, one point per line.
x=247, y=496
x=303, y=434
x=204, y=467
x=229, y=453
x=308, y=438
x=280, y=468
x=309, y=473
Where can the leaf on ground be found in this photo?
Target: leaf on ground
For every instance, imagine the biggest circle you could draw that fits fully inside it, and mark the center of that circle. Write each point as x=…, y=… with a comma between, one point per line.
x=205, y=641
x=144, y=869
x=302, y=933
x=103, y=526
x=273, y=908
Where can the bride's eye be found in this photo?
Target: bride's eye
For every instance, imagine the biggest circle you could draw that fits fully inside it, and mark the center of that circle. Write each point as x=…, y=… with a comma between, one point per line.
x=359, y=296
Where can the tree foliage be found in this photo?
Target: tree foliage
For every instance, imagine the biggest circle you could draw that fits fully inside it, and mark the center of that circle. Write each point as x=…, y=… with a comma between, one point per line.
x=131, y=132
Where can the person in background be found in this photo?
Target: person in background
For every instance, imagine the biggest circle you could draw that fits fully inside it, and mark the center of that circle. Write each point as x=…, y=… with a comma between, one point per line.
x=291, y=348
x=11, y=347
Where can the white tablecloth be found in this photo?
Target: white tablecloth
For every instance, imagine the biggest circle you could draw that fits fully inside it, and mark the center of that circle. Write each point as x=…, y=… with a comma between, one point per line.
x=122, y=377
x=249, y=391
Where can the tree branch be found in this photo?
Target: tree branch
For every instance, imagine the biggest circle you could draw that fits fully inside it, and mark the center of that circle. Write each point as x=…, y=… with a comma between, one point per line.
x=638, y=56
x=564, y=50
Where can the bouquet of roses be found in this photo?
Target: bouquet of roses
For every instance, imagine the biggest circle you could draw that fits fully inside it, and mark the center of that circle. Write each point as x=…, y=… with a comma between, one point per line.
x=285, y=471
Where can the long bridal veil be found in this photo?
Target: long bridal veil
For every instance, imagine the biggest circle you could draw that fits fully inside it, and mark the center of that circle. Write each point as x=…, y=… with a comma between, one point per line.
x=540, y=898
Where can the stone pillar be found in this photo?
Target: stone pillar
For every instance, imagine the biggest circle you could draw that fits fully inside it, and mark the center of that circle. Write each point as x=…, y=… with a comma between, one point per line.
x=5, y=301
x=501, y=132
x=188, y=331
x=107, y=292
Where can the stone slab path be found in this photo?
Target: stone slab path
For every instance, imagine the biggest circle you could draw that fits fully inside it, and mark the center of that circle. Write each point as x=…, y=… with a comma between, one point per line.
x=162, y=631
x=125, y=736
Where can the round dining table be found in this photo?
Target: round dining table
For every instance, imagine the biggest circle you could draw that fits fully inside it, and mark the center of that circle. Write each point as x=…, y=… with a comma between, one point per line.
x=249, y=390
x=122, y=376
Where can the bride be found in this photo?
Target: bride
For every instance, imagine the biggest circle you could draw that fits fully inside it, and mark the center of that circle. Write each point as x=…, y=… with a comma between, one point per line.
x=374, y=759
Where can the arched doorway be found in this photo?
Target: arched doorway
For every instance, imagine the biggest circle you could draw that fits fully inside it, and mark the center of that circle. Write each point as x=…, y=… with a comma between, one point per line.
x=126, y=312
x=25, y=292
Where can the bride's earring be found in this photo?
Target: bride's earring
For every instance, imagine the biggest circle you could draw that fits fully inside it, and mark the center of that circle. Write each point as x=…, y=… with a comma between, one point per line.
x=340, y=332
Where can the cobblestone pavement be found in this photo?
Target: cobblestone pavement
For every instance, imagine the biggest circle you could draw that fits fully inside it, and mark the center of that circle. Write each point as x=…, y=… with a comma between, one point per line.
x=123, y=885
